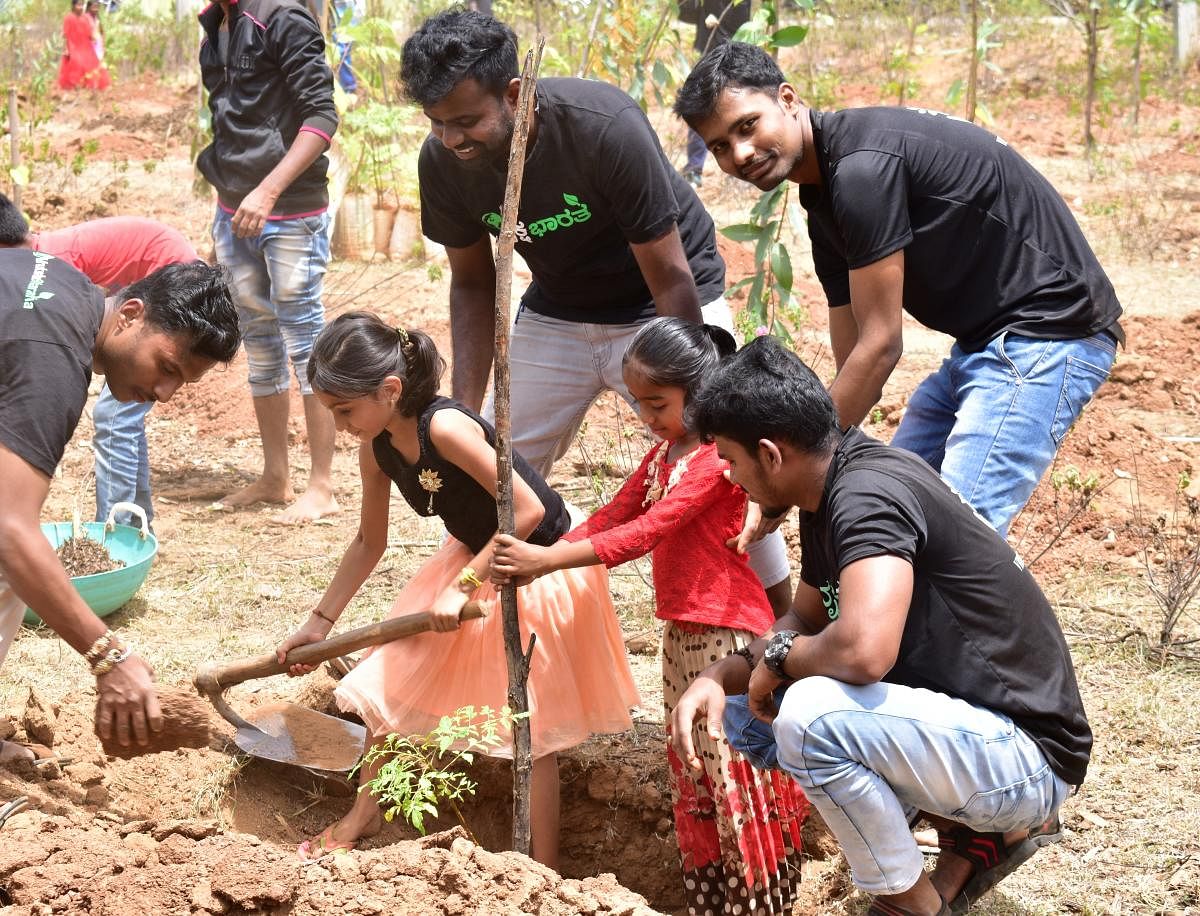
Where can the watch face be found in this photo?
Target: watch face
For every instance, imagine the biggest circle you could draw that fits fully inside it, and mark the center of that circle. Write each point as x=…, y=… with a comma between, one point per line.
x=777, y=651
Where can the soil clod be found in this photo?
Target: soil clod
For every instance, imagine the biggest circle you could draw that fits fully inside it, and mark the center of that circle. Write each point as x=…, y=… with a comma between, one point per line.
x=81, y=556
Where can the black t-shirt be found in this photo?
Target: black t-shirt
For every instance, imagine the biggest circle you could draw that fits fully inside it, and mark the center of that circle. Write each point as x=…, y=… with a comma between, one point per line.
x=596, y=179
x=435, y=486
x=979, y=627
x=50, y=315
x=989, y=245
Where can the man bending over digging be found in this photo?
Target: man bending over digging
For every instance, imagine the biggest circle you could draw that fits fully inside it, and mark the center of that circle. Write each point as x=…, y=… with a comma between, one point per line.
x=920, y=671
x=56, y=328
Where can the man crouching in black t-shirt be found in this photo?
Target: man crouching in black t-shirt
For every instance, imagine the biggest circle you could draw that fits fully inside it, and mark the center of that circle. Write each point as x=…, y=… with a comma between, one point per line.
x=920, y=669
x=56, y=328
x=912, y=210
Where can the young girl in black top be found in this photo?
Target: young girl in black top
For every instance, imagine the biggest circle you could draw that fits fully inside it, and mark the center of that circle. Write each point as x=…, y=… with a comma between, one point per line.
x=381, y=385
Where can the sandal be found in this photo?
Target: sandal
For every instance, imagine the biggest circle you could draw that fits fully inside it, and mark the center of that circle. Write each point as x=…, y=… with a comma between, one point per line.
x=883, y=908
x=323, y=845
x=991, y=861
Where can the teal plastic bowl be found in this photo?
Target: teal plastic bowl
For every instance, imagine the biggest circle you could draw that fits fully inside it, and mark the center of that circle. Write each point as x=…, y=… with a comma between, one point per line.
x=107, y=591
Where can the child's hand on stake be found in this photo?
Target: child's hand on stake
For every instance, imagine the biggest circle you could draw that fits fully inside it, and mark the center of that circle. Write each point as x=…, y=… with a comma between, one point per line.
x=514, y=559
x=445, y=610
x=315, y=629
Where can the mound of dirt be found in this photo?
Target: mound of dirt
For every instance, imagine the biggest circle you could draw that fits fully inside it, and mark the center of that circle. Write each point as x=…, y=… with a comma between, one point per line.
x=51, y=865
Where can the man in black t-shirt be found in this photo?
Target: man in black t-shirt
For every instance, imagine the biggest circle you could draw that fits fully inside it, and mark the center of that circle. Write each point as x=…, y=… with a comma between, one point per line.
x=56, y=328
x=920, y=669
x=917, y=211
x=612, y=234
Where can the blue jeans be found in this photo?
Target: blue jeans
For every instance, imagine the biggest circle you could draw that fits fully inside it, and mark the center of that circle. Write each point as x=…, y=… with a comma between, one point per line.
x=869, y=757
x=122, y=462
x=276, y=279
x=990, y=422
x=697, y=152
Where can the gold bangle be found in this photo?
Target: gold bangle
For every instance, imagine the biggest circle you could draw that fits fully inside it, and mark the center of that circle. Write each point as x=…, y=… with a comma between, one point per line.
x=111, y=659
x=468, y=577
x=99, y=647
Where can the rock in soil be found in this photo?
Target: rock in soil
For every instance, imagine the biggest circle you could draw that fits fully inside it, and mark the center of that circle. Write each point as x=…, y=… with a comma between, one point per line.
x=186, y=723
x=39, y=721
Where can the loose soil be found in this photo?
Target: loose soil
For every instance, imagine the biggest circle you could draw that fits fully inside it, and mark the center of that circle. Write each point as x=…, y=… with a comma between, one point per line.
x=202, y=829
x=82, y=556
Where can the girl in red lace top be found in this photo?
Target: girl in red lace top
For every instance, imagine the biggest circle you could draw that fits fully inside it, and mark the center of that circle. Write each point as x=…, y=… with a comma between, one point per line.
x=738, y=828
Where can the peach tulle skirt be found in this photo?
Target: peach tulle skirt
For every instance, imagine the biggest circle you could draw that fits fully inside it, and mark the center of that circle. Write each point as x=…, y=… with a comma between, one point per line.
x=579, y=679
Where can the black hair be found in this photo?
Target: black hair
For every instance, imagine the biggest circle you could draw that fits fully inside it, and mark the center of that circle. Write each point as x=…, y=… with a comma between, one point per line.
x=13, y=227
x=734, y=63
x=677, y=352
x=358, y=350
x=764, y=391
x=190, y=299
x=454, y=46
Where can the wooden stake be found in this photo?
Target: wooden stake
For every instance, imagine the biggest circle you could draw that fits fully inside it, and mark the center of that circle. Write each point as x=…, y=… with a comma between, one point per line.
x=14, y=135
x=517, y=655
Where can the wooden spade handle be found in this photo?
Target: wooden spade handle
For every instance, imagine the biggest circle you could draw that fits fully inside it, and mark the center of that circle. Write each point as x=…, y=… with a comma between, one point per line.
x=214, y=677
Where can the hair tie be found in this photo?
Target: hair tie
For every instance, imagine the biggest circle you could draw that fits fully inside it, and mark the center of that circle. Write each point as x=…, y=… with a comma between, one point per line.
x=406, y=345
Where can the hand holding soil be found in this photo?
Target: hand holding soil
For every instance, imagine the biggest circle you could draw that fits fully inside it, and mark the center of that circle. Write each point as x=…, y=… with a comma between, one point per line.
x=128, y=703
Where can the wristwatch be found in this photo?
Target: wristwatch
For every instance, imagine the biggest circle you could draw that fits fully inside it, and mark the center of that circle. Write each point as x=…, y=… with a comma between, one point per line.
x=777, y=651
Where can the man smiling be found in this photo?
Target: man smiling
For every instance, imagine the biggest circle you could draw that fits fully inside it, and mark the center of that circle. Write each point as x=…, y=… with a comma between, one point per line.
x=612, y=234
x=910, y=210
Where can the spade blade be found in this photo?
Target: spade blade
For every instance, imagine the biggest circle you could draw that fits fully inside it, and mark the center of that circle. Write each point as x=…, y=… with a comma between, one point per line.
x=292, y=734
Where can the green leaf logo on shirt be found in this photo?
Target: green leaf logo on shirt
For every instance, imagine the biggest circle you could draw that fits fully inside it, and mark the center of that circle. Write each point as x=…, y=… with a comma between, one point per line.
x=829, y=598
x=574, y=212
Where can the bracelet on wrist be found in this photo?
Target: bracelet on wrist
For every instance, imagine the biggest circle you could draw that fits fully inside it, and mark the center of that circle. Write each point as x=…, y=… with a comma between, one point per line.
x=772, y=513
x=111, y=659
x=329, y=620
x=103, y=643
x=745, y=653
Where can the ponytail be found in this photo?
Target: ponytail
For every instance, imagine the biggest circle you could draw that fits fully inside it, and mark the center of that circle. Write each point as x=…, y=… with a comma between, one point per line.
x=679, y=353
x=357, y=351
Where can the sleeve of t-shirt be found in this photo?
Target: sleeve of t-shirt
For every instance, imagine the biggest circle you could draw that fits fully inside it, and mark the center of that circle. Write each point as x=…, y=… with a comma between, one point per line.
x=873, y=515
x=634, y=178
x=830, y=266
x=443, y=217
x=43, y=389
x=869, y=194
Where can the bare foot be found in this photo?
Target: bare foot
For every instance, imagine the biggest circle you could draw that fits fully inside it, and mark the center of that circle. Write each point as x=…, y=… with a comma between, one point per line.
x=312, y=505
x=261, y=491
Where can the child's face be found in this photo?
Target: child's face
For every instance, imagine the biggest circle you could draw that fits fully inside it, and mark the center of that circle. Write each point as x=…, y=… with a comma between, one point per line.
x=660, y=407
x=363, y=417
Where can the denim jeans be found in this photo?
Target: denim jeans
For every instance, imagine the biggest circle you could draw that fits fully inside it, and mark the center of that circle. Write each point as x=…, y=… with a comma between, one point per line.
x=122, y=462
x=559, y=368
x=276, y=280
x=697, y=152
x=990, y=422
x=869, y=757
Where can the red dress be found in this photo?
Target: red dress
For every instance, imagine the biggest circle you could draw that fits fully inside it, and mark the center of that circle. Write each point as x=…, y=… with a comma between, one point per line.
x=80, y=67
x=738, y=828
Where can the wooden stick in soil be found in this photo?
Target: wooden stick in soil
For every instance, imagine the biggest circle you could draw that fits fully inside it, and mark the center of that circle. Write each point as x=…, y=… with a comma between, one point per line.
x=516, y=655
x=14, y=133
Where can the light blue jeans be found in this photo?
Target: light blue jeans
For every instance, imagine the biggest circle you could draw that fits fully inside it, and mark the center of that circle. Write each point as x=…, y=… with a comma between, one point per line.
x=122, y=461
x=870, y=757
x=990, y=422
x=276, y=279
x=559, y=368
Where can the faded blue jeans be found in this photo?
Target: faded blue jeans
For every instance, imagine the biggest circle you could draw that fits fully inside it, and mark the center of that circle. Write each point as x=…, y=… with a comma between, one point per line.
x=276, y=279
x=990, y=422
x=122, y=461
x=870, y=757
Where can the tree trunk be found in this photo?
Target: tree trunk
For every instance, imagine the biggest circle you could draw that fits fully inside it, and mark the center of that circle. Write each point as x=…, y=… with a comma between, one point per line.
x=516, y=655
x=1137, y=71
x=973, y=72
x=1093, y=39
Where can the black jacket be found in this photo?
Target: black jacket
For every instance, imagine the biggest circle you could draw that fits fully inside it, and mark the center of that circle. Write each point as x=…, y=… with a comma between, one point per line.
x=276, y=84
